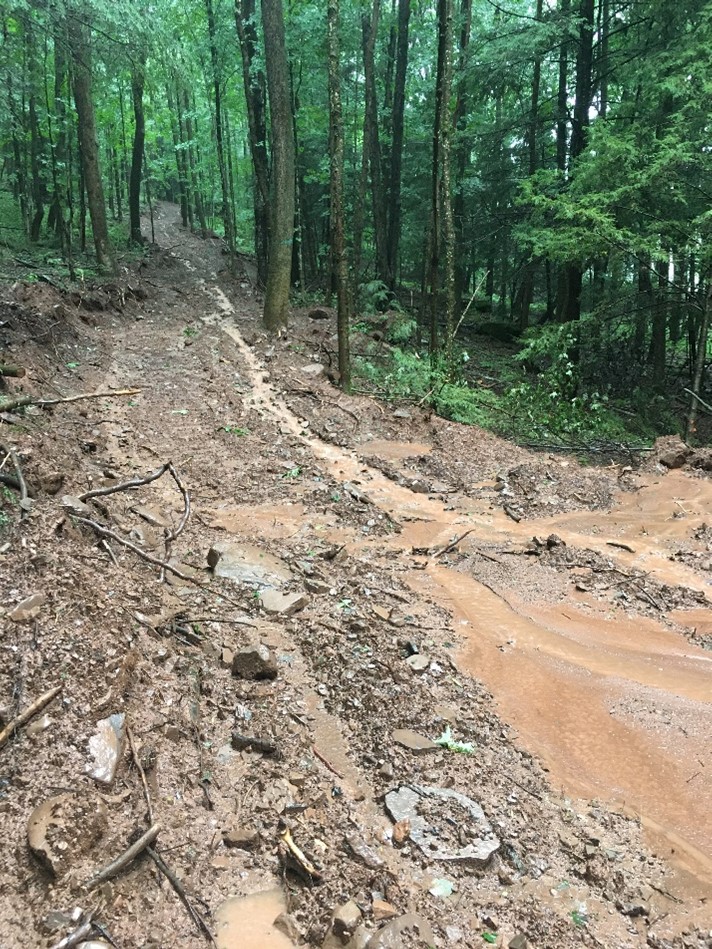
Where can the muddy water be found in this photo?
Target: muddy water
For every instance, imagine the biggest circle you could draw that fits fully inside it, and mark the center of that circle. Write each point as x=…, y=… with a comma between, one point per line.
x=618, y=709
x=247, y=921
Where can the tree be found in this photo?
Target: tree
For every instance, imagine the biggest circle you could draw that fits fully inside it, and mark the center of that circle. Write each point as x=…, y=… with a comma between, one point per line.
x=279, y=267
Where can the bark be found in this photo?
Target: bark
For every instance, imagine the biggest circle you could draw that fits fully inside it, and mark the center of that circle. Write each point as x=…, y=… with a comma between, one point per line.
x=180, y=156
x=138, y=79
x=282, y=184
x=372, y=144
x=228, y=223
x=80, y=45
x=699, y=365
x=445, y=8
x=462, y=153
x=658, y=338
x=193, y=175
x=396, y=156
x=253, y=79
x=338, y=238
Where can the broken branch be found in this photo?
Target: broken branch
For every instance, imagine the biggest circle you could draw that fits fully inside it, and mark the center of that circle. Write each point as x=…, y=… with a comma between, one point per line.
x=29, y=713
x=127, y=857
x=453, y=544
x=33, y=400
x=17, y=372
x=182, y=895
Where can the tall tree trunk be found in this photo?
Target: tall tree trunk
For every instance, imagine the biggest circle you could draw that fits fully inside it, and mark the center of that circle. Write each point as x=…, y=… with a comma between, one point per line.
x=228, y=223
x=396, y=156
x=444, y=126
x=372, y=142
x=462, y=153
x=279, y=267
x=179, y=153
x=336, y=212
x=192, y=170
x=253, y=79
x=138, y=79
x=691, y=427
x=80, y=45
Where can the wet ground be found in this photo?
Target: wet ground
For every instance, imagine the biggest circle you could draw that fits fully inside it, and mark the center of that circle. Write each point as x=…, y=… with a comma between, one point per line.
x=577, y=667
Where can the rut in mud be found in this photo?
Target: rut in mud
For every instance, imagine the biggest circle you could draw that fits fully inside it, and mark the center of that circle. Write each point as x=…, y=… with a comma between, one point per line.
x=593, y=654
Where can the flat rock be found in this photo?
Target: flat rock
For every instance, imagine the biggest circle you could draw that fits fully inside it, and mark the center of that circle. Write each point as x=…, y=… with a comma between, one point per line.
x=390, y=935
x=151, y=515
x=418, y=662
x=63, y=827
x=28, y=609
x=254, y=662
x=226, y=657
x=245, y=563
x=313, y=369
x=408, y=803
x=519, y=941
x=243, y=838
x=72, y=505
x=345, y=919
x=413, y=741
x=383, y=910
x=282, y=604
x=106, y=748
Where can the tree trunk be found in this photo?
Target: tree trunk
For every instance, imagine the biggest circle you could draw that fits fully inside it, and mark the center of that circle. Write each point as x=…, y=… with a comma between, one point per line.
x=253, y=79
x=396, y=156
x=138, y=78
x=179, y=153
x=372, y=143
x=282, y=185
x=228, y=223
x=336, y=211
x=462, y=159
x=691, y=427
x=444, y=134
x=80, y=45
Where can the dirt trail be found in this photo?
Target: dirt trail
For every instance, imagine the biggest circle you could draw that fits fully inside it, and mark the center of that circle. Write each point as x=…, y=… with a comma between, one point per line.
x=615, y=704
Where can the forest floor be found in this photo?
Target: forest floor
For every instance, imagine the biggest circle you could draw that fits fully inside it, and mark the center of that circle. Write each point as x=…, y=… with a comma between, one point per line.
x=561, y=648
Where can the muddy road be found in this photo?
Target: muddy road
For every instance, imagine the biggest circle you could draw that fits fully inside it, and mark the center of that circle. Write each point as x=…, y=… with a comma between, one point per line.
x=566, y=643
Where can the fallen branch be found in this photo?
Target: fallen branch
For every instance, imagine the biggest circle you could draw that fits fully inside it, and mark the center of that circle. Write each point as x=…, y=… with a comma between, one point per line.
x=127, y=857
x=20, y=480
x=305, y=865
x=33, y=400
x=182, y=895
x=79, y=935
x=29, y=713
x=453, y=544
x=701, y=401
x=615, y=543
x=510, y=512
x=139, y=768
x=325, y=761
x=17, y=372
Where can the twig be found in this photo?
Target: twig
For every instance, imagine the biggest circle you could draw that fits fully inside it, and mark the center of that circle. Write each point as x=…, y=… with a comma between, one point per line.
x=33, y=400
x=139, y=768
x=107, y=547
x=20, y=476
x=79, y=934
x=29, y=713
x=326, y=762
x=116, y=866
x=306, y=865
x=615, y=543
x=453, y=544
x=701, y=401
x=182, y=895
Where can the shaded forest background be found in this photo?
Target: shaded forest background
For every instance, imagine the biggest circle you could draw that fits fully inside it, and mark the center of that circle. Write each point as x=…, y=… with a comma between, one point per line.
x=509, y=204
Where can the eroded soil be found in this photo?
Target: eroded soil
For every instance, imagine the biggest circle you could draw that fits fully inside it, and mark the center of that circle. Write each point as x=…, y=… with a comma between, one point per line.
x=565, y=637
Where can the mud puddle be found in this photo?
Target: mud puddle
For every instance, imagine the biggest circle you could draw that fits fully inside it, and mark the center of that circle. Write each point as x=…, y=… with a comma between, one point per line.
x=244, y=921
x=572, y=682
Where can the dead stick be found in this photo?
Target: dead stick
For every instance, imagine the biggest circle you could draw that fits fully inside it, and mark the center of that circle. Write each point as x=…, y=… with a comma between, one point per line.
x=453, y=544
x=107, y=547
x=20, y=479
x=29, y=713
x=325, y=761
x=116, y=866
x=32, y=400
x=182, y=895
x=79, y=935
x=17, y=372
x=139, y=768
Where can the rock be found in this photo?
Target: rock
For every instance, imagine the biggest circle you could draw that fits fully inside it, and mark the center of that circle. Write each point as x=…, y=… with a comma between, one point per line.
x=676, y=453
x=418, y=662
x=94, y=944
x=318, y=587
x=345, y=919
x=288, y=925
x=51, y=483
x=418, y=486
x=365, y=854
x=53, y=921
x=107, y=748
x=63, y=827
x=386, y=771
x=402, y=413
x=383, y=910
x=519, y=941
x=356, y=493
x=282, y=604
x=73, y=505
x=382, y=612
x=245, y=563
x=401, y=831
x=553, y=540
x=255, y=663
x=226, y=657
x=241, y=837
x=405, y=802
x=413, y=741
x=151, y=515
x=318, y=313
x=313, y=369
x=390, y=935
x=28, y=609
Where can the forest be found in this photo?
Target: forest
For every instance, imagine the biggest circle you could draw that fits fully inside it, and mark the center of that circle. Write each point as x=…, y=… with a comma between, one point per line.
x=508, y=204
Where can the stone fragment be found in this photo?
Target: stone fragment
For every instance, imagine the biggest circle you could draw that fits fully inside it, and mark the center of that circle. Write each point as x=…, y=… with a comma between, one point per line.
x=383, y=910
x=676, y=455
x=28, y=609
x=519, y=941
x=386, y=770
x=413, y=741
x=226, y=657
x=245, y=563
x=356, y=493
x=94, y=944
x=390, y=934
x=382, y=612
x=106, y=748
x=241, y=837
x=401, y=831
x=314, y=369
x=73, y=505
x=318, y=587
x=418, y=662
x=402, y=413
x=288, y=925
x=418, y=486
x=363, y=852
x=255, y=663
x=345, y=919
x=406, y=802
x=63, y=827
x=282, y=604
x=151, y=515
